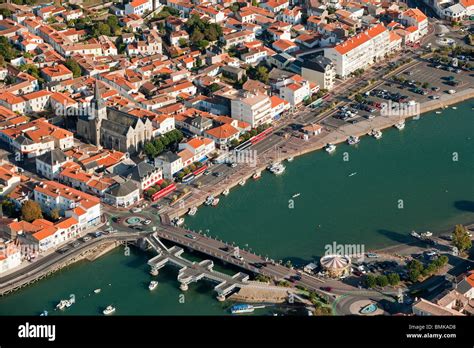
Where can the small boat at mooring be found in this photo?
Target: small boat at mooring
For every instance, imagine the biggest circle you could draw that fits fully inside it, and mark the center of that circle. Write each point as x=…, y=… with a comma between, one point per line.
x=96, y=291
x=257, y=175
x=153, y=285
x=296, y=195
x=226, y=192
x=352, y=174
x=108, y=310
x=192, y=211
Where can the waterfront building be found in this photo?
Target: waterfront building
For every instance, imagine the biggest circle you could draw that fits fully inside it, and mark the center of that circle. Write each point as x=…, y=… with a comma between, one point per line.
x=413, y=17
x=319, y=70
x=170, y=163
x=255, y=109
x=359, y=51
x=10, y=255
x=45, y=234
x=83, y=207
x=123, y=194
x=144, y=175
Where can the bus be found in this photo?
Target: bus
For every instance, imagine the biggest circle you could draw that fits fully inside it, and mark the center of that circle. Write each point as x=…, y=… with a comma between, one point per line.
x=259, y=137
x=188, y=178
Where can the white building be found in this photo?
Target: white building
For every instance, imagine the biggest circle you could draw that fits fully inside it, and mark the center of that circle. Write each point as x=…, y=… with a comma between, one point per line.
x=170, y=164
x=123, y=194
x=83, y=207
x=10, y=255
x=49, y=164
x=360, y=51
x=138, y=7
x=413, y=17
x=255, y=109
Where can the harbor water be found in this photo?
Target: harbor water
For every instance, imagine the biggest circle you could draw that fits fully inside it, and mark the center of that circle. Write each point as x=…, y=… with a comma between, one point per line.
x=371, y=195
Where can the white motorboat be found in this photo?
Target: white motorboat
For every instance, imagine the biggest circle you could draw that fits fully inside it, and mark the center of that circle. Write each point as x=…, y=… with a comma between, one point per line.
x=63, y=304
x=215, y=202
x=257, y=175
x=179, y=221
x=376, y=134
x=109, y=310
x=192, y=211
x=352, y=174
x=209, y=200
x=353, y=139
x=296, y=195
x=330, y=148
x=290, y=159
x=454, y=108
x=153, y=285
x=414, y=234
x=97, y=291
x=426, y=234
x=242, y=183
x=226, y=192
x=400, y=125
x=277, y=168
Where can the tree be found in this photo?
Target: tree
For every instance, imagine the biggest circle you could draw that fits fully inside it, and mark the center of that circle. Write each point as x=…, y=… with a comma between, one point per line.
x=393, y=279
x=234, y=142
x=7, y=50
x=182, y=42
x=461, y=239
x=196, y=36
x=382, y=280
x=369, y=281
x=72, y=65
x=31, y=211
x=54, y=214
x=150, y=150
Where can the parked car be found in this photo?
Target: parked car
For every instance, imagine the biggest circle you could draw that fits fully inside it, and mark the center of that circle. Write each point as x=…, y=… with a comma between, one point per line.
x=326, y=288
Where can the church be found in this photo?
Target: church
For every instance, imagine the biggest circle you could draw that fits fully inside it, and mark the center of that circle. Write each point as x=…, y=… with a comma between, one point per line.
x=112, y=128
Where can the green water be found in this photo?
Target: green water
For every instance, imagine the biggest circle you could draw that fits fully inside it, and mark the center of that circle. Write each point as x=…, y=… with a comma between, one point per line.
x=414, y=165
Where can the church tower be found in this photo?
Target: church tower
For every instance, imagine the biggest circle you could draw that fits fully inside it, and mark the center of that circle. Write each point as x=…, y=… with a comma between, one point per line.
x=98, y=113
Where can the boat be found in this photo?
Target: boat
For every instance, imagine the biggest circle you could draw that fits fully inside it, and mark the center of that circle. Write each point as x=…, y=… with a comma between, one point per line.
x=330, y=148
x=414, y=234
x=63, y=304
x=225, y=192
x=290, y=159
x=296, y=195
x=257, y=175
x=242, y=182
x=97, y=291
x=209, y=200
x=109, y=310
x=426, y=234
x=179, y=221
x=400, y=125
x=352, y=174
x=353, y=139
x=153, y=285
x=215, y=202
x=438, y=112
x=192, y=211
x=454, y=108
x=242, y=308
x=44, y=313
x=277, y=168
x=376, y=134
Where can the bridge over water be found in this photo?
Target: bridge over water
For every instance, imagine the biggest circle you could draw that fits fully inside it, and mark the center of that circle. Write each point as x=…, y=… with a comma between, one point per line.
x=191, y=271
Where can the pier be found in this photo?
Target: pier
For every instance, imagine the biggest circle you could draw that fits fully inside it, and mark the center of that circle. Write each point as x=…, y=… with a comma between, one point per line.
x=191, y=272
